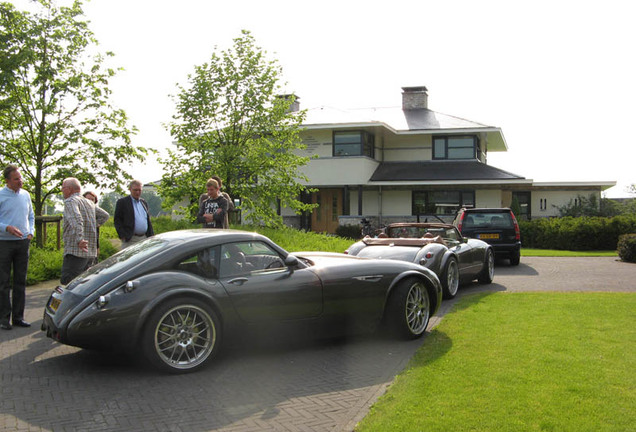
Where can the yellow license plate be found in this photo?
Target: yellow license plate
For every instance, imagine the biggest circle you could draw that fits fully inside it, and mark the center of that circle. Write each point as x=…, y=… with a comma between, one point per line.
x=488, y=236
x=54, y=304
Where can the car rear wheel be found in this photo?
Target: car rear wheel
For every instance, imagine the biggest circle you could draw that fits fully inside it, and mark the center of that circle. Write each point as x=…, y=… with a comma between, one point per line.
x=450, y=279
x=515, y=257
x=487, y=273
x=409, y=309
x=181, y=335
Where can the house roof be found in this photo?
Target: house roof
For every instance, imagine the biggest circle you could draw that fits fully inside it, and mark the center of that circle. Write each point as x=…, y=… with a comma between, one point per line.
x=402, y=122
x=443, y=171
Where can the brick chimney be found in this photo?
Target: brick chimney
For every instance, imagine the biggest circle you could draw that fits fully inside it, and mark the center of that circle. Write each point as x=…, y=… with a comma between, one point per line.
x=414, y=98
x=295, y=105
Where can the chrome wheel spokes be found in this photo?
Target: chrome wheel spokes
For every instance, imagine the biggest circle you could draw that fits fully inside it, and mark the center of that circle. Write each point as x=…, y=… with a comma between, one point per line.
x=185, y=336
x=417, y=308
x=452, y=278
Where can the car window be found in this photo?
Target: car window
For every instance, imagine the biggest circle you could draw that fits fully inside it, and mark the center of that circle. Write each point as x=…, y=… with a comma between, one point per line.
x=451, y=235
x=490, y=220
x=203, y=263
x=251, y=257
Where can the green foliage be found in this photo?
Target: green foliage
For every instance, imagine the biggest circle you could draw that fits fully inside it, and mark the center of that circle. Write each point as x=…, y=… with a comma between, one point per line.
x=44, y=264
x=165, y=223
x=231, y=122
x=349, y=231
x=592, y=206
x=56, y=119
x=154, y=202
x=515, y=207
x=581, y=233
x=108, y=201
x=294, y=240
x=627, y=247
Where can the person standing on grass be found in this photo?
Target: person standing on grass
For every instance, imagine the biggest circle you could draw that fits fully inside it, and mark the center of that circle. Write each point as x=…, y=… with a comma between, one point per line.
x=81, y=219
x=17, y=222
x=213, y=211
x=132, y=218
x=230, y=204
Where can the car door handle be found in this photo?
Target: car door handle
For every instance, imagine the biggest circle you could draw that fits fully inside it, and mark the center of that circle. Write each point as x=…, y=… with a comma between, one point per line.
x=371, y=278
x=238, y=281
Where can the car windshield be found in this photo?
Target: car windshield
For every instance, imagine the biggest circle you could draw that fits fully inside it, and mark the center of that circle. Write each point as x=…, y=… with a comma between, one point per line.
x=129, y=257
x=418, y=232
x=402, y=253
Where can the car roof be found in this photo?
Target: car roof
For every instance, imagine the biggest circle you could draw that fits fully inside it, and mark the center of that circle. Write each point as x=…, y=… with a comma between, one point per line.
x=194, y=235
x=487, y=210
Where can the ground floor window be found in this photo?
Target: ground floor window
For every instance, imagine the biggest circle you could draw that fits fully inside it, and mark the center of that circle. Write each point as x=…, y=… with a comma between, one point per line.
x=441, y=202
x=523, y=198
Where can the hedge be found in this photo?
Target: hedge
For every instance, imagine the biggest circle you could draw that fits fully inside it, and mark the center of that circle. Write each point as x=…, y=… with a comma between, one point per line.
x=576, y=234
x=627, y=247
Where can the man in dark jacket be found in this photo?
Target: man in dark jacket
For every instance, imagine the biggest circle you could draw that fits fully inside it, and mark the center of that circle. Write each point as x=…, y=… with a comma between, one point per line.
x=132, y=218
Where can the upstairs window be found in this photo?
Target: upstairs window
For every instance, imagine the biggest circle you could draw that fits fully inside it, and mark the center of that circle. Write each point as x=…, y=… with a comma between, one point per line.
x=353, y=143
x=455, y=147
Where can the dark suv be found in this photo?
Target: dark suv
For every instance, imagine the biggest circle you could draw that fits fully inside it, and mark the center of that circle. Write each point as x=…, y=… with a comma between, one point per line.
x=496, y=226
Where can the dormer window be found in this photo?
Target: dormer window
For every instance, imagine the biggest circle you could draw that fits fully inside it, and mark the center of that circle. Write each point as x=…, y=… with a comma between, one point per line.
x=353, y=143
x=455, y=147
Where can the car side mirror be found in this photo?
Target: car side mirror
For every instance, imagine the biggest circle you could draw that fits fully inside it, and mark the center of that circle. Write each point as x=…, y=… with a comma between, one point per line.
x=291, y=261
x=464, y=239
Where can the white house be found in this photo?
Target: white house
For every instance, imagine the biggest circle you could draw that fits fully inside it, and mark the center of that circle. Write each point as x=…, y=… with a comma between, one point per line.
x=393, y=164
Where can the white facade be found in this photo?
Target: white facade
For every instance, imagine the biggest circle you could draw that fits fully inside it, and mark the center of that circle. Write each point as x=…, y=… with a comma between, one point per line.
x=408, y=161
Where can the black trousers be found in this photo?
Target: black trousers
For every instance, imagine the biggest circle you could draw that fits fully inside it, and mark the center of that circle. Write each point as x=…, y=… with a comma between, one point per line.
x=14, y=258
x=73, y=266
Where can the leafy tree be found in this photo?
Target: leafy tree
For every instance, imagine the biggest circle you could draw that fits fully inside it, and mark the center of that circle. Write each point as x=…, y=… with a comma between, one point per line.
x=232, y=122
x=154, y=202
x=590, y=206
x=108, y=202
x=56, y=120
x=515, y=207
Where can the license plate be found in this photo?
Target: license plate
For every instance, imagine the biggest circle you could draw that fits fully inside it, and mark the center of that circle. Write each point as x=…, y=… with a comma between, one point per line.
x=488, y=236
x=54, y=304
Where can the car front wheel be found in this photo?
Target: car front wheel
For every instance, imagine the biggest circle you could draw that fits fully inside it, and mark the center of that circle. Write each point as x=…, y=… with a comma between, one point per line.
x=409, y=309
x=450, y=279
x=181, y=335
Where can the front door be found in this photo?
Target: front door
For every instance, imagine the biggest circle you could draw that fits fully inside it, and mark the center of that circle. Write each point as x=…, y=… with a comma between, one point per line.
x=325, y=217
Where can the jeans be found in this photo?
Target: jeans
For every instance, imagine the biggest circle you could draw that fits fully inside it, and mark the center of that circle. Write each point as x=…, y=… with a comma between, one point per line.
x=14, y=255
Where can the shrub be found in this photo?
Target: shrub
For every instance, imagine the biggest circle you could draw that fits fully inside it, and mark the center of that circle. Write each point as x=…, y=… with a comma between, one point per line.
x=349, y=231
x=627, y=247
x=44, y=264
x=576, y=233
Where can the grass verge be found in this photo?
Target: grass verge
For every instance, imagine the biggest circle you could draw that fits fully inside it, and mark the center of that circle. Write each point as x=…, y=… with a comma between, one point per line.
x=520, y=362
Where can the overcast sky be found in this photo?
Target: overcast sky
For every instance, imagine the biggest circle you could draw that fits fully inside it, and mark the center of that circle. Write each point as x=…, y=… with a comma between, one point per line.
x=558, y=77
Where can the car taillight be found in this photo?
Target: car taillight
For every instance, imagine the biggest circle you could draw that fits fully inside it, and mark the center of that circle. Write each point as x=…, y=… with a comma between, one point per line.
x=460, y=222
x=517, y=230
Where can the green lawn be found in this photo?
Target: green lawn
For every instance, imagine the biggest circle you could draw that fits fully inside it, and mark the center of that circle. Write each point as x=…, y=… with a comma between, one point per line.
x=520, y=362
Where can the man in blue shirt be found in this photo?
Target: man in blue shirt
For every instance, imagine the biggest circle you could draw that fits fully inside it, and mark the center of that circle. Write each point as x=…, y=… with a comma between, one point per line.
x=132, y=218
x=17, y=222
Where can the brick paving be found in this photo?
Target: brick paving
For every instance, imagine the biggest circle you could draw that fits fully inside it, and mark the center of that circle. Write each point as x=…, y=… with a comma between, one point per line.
x=286, y=385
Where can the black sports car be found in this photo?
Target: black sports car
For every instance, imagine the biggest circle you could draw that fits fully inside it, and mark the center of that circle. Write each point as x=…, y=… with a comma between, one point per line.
x=437, y=246
x=178, y=294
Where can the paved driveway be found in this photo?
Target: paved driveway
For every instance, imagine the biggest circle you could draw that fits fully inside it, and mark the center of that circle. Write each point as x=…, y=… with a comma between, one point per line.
x=277, y=385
